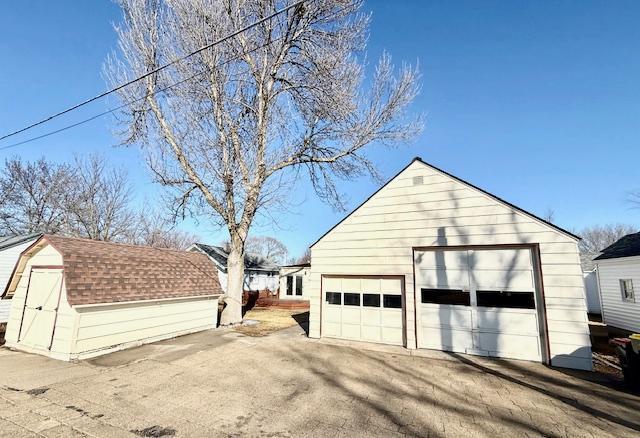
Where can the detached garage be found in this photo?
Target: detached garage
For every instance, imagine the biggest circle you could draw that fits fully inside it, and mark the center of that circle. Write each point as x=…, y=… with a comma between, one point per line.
x=77, y=298
x=431, y=261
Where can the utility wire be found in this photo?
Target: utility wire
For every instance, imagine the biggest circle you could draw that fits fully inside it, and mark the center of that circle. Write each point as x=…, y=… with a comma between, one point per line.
x=126, y=104
x=151, y=72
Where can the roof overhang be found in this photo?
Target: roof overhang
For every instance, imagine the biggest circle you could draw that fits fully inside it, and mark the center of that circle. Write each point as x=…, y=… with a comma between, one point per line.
x=158, y=300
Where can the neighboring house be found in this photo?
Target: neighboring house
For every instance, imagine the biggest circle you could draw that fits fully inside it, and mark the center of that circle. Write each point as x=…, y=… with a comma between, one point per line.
x=77, y=298
x=259, y=272
x=431, y=261
x=619, y=280
x=294, y=281
x=10, y=250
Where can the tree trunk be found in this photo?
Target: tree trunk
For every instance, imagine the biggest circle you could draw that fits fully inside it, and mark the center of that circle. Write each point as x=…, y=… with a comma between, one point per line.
x=232, y=313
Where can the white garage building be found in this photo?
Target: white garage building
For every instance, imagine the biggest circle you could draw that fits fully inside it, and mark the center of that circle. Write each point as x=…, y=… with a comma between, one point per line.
x=77, y=298
x=431, y=261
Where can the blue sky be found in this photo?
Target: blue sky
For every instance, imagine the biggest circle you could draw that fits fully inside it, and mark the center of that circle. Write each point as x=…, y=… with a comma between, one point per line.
x=537, y=102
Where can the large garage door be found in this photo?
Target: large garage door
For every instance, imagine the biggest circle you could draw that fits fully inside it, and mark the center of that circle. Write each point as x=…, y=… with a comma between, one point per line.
x=363, y=309
x=40, y=308
x=480, y=301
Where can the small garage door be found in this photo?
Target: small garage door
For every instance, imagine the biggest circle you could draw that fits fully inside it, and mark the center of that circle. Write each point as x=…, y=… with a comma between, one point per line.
x=363, y=309
x=40, y=309
x=480, y=301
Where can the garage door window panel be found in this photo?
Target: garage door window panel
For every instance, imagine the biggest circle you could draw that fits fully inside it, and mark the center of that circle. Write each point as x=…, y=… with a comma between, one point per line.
x=371, y=300
x=334, y=298
x=351, y=299
x=453, y=297
x=392, y=301
x=505, y=299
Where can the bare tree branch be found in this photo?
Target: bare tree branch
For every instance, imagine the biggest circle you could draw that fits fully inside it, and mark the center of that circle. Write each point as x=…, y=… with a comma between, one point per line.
x=284, y=98
x=34, y=196
x=598, y=237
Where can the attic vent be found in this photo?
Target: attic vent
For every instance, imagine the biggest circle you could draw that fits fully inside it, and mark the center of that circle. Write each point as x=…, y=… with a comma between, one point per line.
x=418, y=180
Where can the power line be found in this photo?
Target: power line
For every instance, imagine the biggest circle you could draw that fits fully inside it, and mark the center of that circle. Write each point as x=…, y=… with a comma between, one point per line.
x=126, y=104
x=151, y=72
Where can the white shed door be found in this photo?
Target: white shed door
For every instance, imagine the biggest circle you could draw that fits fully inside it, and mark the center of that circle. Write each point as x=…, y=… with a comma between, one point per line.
x=363, y=309
x=478, y=302
x=40, y=309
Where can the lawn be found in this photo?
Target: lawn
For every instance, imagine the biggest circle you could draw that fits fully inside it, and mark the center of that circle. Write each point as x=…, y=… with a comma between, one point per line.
x=271, y=319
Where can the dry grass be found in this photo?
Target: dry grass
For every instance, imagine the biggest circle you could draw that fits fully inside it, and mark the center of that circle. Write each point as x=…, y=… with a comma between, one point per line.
x=270, y=320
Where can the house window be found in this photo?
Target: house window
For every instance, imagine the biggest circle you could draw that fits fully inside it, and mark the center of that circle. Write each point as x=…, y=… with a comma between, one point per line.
x=298, y=284
x=452, y=297
x=371, y=300
x=289, y=284
x=505, y=299
x=333, y=298
x=392, y=301
x=626, y=288
x=351, y=299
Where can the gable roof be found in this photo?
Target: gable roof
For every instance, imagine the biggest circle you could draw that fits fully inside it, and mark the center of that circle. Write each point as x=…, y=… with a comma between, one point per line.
x=460, y=180
x=253, y=262
x=627, y=246
x=103, y=272
x=9, y=242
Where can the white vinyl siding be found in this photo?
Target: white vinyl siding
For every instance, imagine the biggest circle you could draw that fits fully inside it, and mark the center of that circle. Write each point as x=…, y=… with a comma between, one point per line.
x=259, y=280
x=8, y=259
x=110, y=327
x=377, y=239
x=5, y=310
x=616, y=311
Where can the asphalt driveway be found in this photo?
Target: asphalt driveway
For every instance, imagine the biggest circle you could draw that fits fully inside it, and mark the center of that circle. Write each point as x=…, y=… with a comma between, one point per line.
x=224, y=383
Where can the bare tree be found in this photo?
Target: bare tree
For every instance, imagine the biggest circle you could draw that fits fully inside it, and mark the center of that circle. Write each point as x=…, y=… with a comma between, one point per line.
x=305, y=257
x=268, y=247
x=152, y=229
x=598, y=237
x=101, y=204
x=34, y=196
x=225, y=128
x=549, y=215
x=634, y=198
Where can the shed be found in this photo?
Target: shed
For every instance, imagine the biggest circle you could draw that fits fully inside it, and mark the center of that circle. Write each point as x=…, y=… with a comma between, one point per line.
x=619, y=283
x=76, y=298
x=432, y=261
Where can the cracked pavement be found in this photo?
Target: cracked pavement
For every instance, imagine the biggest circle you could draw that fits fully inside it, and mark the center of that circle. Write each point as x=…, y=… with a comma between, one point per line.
x=223, y=383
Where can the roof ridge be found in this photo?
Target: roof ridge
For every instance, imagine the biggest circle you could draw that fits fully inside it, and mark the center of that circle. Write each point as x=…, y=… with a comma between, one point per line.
x=105, y=242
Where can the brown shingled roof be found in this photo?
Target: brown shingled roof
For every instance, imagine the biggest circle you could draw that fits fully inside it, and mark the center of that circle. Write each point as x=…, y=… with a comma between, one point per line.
x=103, y=272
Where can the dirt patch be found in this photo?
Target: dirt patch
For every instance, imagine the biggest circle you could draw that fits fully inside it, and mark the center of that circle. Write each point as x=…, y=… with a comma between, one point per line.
x=270, y=320
x=155, y=432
